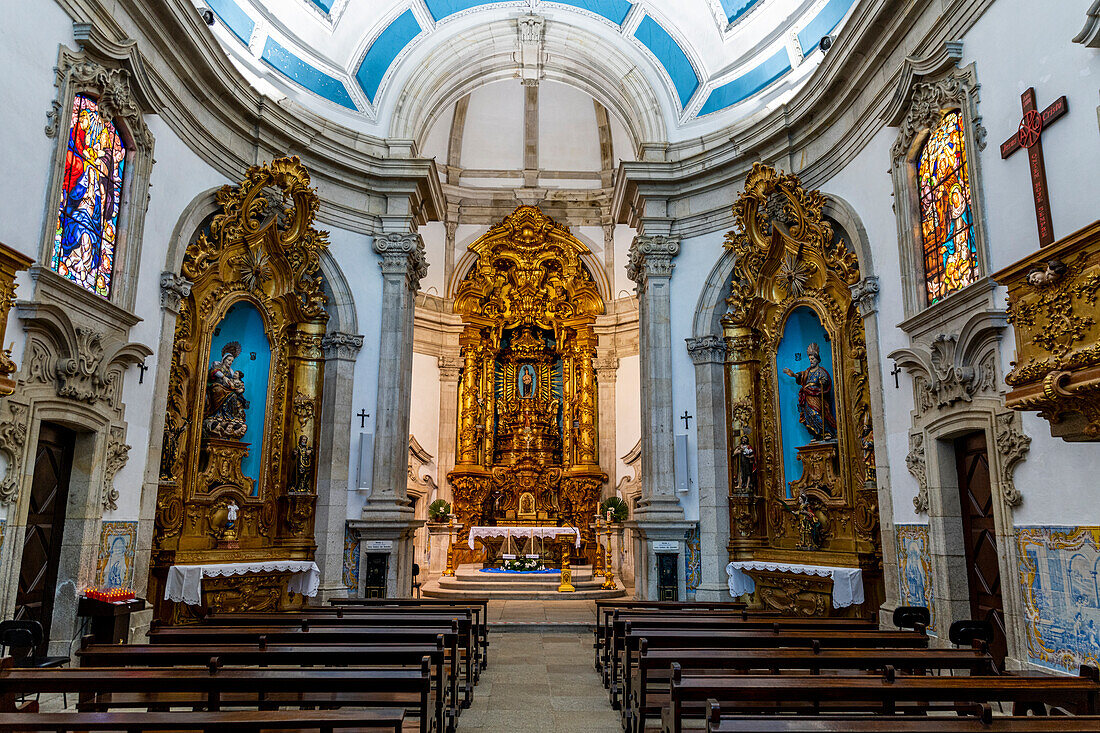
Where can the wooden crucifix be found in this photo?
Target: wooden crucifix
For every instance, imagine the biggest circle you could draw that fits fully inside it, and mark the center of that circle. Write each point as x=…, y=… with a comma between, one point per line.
x=1029, y=136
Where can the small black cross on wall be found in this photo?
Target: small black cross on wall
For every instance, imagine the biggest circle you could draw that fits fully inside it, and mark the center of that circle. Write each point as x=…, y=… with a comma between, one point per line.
x=686, y=417
x=142, y=369
x=896, y=371
x=363, y=415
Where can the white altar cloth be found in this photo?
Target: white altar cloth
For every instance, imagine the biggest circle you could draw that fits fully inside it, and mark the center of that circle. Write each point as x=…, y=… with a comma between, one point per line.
x=847, y=582
x=185, y=581
x=523, y=533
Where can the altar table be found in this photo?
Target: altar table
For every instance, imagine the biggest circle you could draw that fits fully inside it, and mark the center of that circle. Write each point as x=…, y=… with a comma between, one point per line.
x=185, y=581
x=847, y=582
x=524, y=533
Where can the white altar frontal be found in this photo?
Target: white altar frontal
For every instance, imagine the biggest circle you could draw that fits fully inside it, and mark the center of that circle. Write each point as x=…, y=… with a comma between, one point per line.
x=847, y=587
x=524, y=533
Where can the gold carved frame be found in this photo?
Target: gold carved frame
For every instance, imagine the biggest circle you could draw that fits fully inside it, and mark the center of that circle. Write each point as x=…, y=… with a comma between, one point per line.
x=263, y=250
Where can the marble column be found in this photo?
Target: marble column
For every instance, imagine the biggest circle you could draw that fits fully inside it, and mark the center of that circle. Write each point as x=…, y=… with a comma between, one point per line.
x=709, y=356
x=333, y=459
x=607, y=369
x=388, y=520
x=450, y=368
x=659, y=518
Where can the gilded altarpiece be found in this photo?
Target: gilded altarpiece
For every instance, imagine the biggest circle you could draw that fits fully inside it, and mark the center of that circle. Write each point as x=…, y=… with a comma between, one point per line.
x=527, y=401
x=237, y=469
x=802, y=473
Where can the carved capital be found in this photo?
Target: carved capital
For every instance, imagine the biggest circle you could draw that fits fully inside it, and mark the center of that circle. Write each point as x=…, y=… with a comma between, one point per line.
x=707, y=350
x=1012, y=445
x=916, y=465
x=651, y=256
x=339, y=345
x=173, y=289
x=402, y=254
x=865, y=295
x=117, y=454
x=450, y=367
x=606, y=366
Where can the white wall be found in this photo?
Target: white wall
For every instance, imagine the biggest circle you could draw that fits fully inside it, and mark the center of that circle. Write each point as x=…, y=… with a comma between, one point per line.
x=628, y=413
x=424, y=416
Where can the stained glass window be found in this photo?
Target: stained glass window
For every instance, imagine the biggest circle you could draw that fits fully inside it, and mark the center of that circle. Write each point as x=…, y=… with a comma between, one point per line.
x=87, y=220
x=947, y=219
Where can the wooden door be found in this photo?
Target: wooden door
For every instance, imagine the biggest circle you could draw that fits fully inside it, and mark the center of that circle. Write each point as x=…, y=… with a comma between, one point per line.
x=53, y=462
x=980, y=538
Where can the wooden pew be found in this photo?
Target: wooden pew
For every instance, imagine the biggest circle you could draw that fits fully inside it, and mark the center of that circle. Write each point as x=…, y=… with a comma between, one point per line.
x=605, y=609
x=885, y=695
x=802, y=632
x=377, y=655
x=225, y=721
x=983, y=723
x=104, y=689
x=280, y=635
x=480, y=607
x=647, y=686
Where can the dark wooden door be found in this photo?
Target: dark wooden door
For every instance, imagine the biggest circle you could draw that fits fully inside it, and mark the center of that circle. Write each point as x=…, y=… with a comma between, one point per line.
x=980, y=538
x=53, y=462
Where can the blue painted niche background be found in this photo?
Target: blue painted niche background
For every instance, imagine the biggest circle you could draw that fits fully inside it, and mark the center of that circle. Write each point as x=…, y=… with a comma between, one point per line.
x=803, y=327
x=244, y=324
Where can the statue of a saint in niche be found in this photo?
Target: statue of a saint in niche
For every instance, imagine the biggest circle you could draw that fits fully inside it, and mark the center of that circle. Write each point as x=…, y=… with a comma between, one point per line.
x=303, y=467
x=527, y=381
x=745, y=466
x=815, y=397
x=224, y=414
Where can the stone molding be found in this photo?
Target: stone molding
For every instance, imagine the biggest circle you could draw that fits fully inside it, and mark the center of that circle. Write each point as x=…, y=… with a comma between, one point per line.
x=173, y=289
x=1012, y=445
x=339, y=345
x=450, y=368
x=707, y=350
x=651, y=257
x=915, y=462
x=117, y=454
x=606, y=366
x=865, y=296
x=1090, y=33
x=402, y=254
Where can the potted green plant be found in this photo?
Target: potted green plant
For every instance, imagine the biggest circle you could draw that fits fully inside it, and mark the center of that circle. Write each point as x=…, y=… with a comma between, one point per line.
x=439, y=511
x=617, y=507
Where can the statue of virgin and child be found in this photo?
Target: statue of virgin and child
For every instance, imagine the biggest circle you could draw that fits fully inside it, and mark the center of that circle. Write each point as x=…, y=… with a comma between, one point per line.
x=224, y=413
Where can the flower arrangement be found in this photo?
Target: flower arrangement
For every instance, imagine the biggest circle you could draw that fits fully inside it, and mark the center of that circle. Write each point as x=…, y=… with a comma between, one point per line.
x=523, y=564
x=616, y=506
x=439, y=510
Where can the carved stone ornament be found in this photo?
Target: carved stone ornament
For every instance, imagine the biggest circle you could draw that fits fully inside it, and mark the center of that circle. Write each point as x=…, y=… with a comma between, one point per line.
x=117, y=453
x=450, y=367
x=651, y=256
x=402, y=254
x=914, y=461
x=1090, y=33
x=1012, y=445
x=707, y=350
x=112, y=88
x=173, y=289
x=865, y=295
x=338, y=345
x=13, y=441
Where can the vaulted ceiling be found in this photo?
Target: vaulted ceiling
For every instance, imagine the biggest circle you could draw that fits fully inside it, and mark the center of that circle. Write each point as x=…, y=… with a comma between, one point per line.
x=668, y=69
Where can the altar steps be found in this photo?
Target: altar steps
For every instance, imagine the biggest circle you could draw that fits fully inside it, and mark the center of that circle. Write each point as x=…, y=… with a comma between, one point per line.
x=468, y=580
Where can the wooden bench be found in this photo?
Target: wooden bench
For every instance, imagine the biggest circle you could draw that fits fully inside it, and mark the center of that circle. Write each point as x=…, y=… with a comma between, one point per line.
x=104, y=689
x=605, y=609
x=225, y=721
x=689, y=695
x=480, y=607
x=280, y=635
x=377, y=655
x=648, y=692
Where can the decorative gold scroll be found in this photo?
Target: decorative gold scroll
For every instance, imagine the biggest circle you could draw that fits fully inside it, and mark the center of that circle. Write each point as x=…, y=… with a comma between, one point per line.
x=787, y=256
x=261, y=249
x=528, y=300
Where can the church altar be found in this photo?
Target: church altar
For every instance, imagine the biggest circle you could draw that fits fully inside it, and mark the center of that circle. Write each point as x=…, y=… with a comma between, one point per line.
x=185, y=581
x=524, y=533
x=847, y=582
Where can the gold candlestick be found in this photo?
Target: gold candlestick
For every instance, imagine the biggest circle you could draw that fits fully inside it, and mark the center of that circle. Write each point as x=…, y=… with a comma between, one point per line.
x=449, y=572
x=608, y=573
x=566, y=573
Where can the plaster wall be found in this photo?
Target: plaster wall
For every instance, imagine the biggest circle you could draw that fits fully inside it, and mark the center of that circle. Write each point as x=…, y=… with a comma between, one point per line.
x=568, y=139
x=628, y=412
x=493, y=136
x=424, y=416
x=434, y=235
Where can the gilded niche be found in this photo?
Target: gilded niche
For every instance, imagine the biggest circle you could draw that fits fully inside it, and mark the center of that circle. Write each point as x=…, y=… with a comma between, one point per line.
x=236, y=469
x=800, y=440
x=527, y=395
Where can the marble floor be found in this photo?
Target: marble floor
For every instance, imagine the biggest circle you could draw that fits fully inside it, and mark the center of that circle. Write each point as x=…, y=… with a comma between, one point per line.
x=542, y=612
x=540, y=681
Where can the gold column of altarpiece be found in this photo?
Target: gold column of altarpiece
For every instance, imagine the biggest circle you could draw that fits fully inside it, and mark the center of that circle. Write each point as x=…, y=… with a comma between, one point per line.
x=787, y=257
x=261, y=249
x=527, y=451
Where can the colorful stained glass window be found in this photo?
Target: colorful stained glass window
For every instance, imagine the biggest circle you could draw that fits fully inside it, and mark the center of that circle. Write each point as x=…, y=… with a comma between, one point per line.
x=87, y=220
x=947, y=218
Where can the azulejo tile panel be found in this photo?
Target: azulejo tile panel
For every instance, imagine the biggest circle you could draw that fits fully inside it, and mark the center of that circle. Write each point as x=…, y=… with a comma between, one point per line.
x=1059, y=568
x=351, y=559
x=693, y=563
x=117, y=541
x=915, y=568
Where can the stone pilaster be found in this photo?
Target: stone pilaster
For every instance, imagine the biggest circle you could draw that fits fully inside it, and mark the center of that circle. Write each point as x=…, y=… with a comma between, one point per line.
x=607, y=369
x=709, y=356
x=659, y=516
x=450, y=368
x=333, y=458
x=388, y=513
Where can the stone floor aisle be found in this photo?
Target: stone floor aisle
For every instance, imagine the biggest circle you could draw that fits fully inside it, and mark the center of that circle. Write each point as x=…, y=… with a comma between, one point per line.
x=540, y=681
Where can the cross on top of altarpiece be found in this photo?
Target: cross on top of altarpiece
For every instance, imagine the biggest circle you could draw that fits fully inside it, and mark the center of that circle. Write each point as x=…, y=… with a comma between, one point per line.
x=1029, y=135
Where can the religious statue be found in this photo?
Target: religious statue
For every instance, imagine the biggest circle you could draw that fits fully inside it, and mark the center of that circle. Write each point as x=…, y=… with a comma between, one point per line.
x=815, y=403
x=527, y=381
x=811, y=528
x=745, y=462
x=224, y=416
x=302, y=469
x=867, y=445
x=170, y=450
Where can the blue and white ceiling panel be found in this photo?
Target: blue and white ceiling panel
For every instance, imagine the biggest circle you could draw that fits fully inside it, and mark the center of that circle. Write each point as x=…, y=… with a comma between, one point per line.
x=383, y=50
x=306, y=75
x=823, y=24
x=749, y=83
x=236, y=20
x=671, y=56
